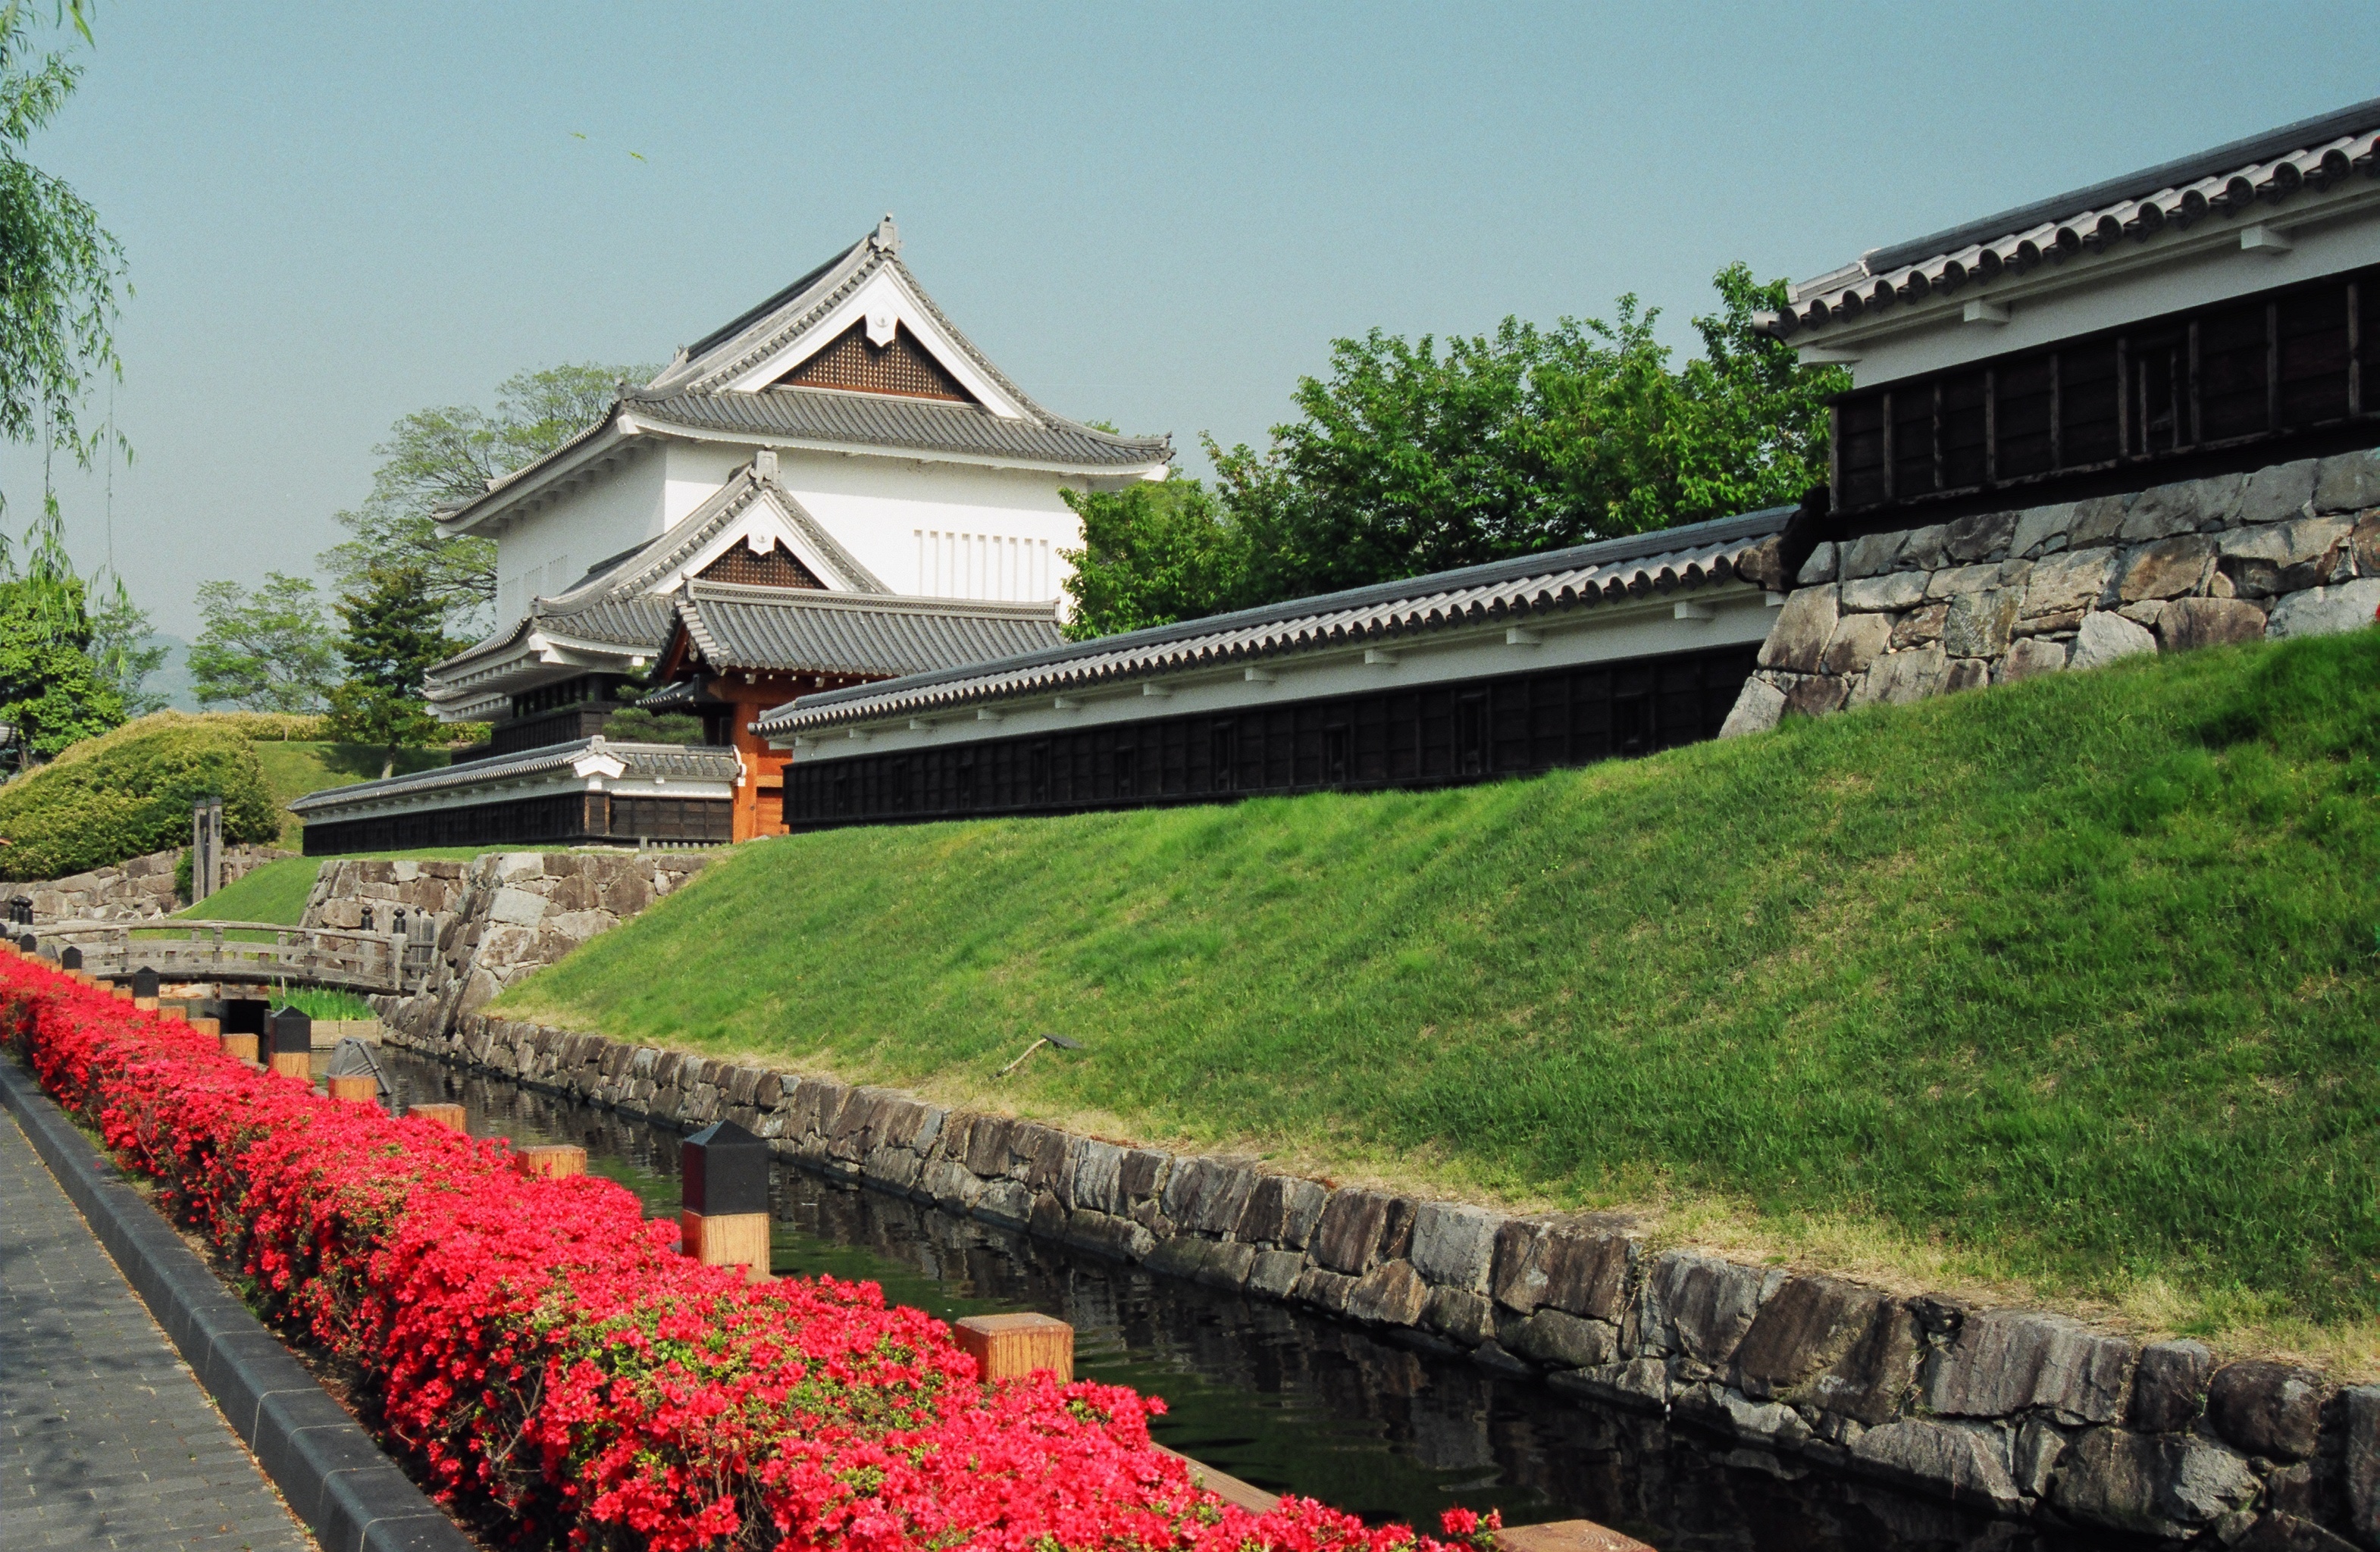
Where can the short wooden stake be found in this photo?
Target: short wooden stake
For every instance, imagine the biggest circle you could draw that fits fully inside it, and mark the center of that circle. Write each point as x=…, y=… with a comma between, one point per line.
x=728, y=1240
x=359, y=1089
x=291, y=1064
x=448, y=1116
x=122, y=994
x=1013, y=1346
x=210, y=1026
x=240, y=1048
x=552, y=1161
x=1567, y=1535
x=146, y=1004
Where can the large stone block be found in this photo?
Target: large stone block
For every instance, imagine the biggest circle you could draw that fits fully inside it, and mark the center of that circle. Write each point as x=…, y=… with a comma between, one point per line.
x=1282, y=1210
x=2106, y=636
x=2040, y=530
x=1943, y=1458
x=1392, y=1294
x=1809, y=1324
x=1798, y=638
x=2327, y=610
x=1815, y=695
x=2349, y=482
x=1326, y=1290
x=1758, y=707
x=1872, y=556
x=1275, y=1273
x=1097, y=1178
x=1347, y=1239
x=1707, y=1303
x=1901, y=590
x=2029, y=658
x=2169, y=568
x=1207, y=1194
x=2157, y=1485
x=2286, y=557
x=2008, y=1361
x=2207, y=622
x=2278, y=493
x=1564, y=1341
x=1984, y=536
x=1902, y=678
x=2098, y=520
x=2360, y=1465
x=1461, y=1318
x=1856, y=641
x=2074, y=579
x=2169, y=1386
x=1978, y=623
x=1453, y=1242
x=1641, y=1384
x=1144, y=1175
x=2267, y=1409
x=1821, y=566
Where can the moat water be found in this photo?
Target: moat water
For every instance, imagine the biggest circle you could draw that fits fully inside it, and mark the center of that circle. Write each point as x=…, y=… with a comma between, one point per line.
x=1286, y=1400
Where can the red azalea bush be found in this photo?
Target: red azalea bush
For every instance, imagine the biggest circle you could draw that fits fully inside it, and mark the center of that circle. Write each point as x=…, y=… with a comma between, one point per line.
x=537, y=1346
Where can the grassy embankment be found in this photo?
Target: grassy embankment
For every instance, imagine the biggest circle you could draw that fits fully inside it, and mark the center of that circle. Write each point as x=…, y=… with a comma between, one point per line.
x=2067, y=991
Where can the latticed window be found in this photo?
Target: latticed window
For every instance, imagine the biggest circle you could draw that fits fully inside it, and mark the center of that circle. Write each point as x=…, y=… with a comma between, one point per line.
x=899, y=366
x=779, y=568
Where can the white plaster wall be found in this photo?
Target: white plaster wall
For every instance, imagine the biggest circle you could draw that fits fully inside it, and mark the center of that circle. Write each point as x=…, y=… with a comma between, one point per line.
x=941, y=531
x=697, y=470
x=542, y=554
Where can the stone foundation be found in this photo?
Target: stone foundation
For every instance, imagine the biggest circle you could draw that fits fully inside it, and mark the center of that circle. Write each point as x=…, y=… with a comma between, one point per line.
x=2292, y=549
x=2017, y=1411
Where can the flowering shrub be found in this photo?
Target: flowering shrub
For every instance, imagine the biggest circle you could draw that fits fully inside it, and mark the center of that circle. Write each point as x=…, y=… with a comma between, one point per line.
x=535, y=1345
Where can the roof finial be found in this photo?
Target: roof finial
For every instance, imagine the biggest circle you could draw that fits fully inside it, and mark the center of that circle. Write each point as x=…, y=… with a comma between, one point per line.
x=888, y=237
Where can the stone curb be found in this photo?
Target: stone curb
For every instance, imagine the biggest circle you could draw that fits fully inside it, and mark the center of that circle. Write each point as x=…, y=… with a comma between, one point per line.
x=351, y=1495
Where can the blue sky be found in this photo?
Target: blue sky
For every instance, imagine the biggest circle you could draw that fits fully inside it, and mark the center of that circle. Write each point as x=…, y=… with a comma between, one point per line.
x=1154, y=216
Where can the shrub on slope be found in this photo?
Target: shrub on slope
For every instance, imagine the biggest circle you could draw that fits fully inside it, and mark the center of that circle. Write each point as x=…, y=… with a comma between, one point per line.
x=128, y=792
x=2073, y=980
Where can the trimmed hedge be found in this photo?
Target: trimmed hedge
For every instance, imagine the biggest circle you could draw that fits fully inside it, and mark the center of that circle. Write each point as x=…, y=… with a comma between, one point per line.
x=128, y=792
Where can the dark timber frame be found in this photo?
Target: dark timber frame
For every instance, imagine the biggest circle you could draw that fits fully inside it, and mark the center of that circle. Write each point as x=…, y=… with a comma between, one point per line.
x=580, y=818
x=1443, y=735
x=2212, y=389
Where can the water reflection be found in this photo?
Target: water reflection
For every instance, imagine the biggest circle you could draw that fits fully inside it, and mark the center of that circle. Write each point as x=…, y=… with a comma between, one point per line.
x=1289, y=1401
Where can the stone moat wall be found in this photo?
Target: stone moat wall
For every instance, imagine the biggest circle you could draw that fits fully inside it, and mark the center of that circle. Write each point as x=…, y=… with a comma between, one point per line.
x=138, y=889
x=2291, y=549
x=2017, y=1411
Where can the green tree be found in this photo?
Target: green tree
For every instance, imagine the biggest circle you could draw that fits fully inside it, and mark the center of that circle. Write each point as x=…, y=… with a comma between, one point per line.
x=49, y=687
x=59, y=268
x=1152, y=554
x=394, y=631
x=1409, y=459
x=266, y=650
x=124, y=650
x=436, y=457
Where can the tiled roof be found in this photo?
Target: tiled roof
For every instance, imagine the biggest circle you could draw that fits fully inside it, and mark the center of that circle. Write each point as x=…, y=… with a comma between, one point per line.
x=678, y=763
x=1530, y=585
x=836, y=633
x=2227, y=181
x=926, y=425
x=612, y=607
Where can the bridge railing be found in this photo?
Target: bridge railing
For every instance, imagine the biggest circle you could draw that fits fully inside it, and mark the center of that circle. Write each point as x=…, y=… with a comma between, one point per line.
x=346, y=958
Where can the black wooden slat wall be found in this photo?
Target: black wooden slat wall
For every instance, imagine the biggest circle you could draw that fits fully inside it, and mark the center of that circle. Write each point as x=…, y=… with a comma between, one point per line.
x=561, y=818
x=1467, y=731
x=2296, y=359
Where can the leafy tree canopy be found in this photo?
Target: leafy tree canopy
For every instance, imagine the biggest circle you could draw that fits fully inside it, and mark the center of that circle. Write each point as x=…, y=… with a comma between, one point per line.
x=50, y=689
x=1412, y=458
x=436, y=457
x=266, y=650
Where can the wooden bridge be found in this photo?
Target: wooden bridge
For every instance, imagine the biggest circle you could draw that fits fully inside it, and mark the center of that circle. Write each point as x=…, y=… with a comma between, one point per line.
x=340, y=958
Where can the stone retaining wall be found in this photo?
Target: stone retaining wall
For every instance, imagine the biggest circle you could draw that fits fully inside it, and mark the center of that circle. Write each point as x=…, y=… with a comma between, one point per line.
x=2292, y=549
x=497, y=918
x=2017, y=1411
x=139, y=889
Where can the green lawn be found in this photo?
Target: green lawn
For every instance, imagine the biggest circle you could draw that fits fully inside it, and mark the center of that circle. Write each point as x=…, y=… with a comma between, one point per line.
x=293, y=769
x=2069, y=989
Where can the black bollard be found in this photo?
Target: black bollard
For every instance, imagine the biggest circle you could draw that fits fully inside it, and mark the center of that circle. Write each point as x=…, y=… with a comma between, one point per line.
x=293, y=1044
x=144, y=985
x=69, y=958
x=724, y=1171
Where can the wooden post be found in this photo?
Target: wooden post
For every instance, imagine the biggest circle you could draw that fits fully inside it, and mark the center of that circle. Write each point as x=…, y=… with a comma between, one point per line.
x=206, y=1025
x=725, y=1205
x=121, y=993
x=240, y=1047
x=1013, y=1346
x=358, y=1089
x=552, y=1161
x=1567, y=1535
x=448, y=1116
x=293, y=1045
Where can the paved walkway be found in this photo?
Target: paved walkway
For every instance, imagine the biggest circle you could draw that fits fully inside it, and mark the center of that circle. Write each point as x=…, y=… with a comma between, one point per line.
x=106, y=1439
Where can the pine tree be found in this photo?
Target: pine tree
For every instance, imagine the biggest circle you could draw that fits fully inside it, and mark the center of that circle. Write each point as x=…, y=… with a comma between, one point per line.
x=394, y=619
